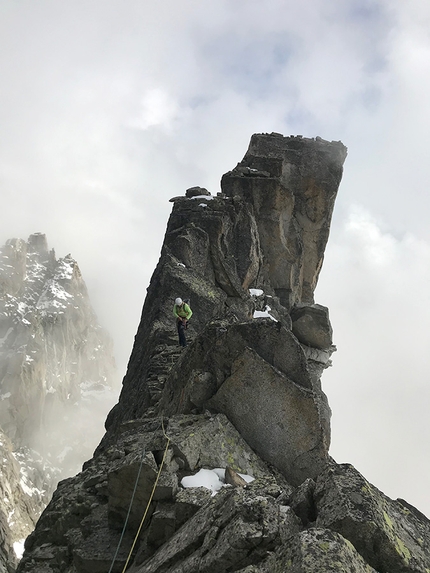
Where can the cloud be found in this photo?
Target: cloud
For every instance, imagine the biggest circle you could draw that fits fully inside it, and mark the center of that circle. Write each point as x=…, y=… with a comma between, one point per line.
x=109, y=108
x=376, y=286
x=158, y=109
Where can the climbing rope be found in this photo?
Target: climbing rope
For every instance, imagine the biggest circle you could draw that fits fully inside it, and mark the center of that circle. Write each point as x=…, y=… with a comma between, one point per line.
x=132, y=499
x=129, y=510
x=150, y=498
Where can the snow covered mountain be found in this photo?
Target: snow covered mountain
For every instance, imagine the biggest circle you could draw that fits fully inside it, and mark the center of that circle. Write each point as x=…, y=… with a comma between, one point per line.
x=26, y=482
x=57, y=370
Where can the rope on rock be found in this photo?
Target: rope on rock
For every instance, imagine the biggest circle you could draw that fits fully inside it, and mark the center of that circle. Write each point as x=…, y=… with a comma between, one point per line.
x=129, y=510
x=150, y=497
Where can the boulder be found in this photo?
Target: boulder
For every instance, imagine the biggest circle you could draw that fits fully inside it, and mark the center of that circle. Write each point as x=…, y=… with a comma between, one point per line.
x=196, y=192
x=189, y=501
x=238, y=526
x=136, y=473
x=389, y=536
x=95, y=546
x=212, y=442
x=234, y=479
x=311, y=551
x=312, y=326
x=193, y=382
x=302, y=501
x=279, y=419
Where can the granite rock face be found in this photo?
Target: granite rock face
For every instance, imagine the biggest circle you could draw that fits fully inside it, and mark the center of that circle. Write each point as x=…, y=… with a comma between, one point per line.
x=240, y=411
x=56, y=369
x=217, y=248
x=53, y=353
x=390, y=535
x=18, y=512
x=291, y=184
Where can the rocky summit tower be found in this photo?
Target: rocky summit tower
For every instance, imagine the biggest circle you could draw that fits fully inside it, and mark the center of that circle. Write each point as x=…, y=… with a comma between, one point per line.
x=240, y=410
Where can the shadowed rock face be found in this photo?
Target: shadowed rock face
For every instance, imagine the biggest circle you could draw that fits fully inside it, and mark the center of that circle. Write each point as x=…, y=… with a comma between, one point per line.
x=244, y=396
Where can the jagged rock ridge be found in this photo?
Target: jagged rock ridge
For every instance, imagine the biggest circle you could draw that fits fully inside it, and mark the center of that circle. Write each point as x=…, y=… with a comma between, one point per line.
x=244, y=396
x=56, y=365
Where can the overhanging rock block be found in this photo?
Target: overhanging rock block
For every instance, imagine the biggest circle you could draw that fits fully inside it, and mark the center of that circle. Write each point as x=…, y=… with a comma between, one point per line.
x=276, y=417
x=312, y=326
x=209, y=361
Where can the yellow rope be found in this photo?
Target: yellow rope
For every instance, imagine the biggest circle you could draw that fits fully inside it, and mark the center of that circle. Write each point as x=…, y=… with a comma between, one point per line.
x=150, y=498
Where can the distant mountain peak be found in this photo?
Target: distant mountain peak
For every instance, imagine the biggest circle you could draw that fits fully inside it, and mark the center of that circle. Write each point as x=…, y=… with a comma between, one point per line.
x=57, y=367
x=38, y=243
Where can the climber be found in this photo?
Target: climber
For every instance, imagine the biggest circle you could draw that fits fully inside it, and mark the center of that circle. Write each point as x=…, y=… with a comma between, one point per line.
x=183, y=313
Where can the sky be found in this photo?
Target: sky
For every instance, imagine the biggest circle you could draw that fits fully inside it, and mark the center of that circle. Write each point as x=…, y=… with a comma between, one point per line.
x=108, y=108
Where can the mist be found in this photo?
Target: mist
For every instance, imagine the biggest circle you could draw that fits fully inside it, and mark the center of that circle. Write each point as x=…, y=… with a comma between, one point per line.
x=108, y=109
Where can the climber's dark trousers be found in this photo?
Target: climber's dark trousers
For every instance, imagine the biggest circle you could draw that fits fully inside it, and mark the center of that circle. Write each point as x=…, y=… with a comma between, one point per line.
x=181, y=333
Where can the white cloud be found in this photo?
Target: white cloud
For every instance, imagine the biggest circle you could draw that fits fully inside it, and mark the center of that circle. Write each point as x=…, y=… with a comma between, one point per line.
x=158, y=109
x=370, y=243
x=376, y=287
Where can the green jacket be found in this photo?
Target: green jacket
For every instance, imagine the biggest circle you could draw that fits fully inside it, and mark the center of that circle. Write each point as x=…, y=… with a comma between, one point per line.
x=183, y=311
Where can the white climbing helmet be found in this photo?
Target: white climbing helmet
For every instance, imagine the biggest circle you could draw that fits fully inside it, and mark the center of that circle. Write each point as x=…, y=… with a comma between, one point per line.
x=178, y=301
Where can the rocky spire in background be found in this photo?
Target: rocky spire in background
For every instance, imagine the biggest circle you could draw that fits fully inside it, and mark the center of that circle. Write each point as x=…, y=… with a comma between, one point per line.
x=241, y=404
x=56, y=367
